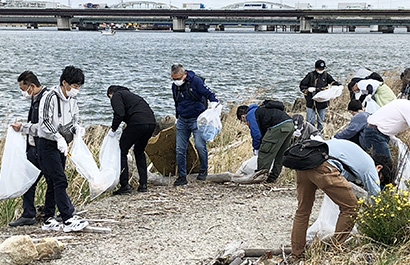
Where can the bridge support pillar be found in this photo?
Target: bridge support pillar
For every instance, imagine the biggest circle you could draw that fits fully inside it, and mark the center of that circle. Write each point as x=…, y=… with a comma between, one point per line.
x=386, y=29
x=408, y=28
x=178, y=24
x=320, y=29
x=270, y=27
x=63, y=22
x=220, y=27
x=352, y=28
x=305, y=25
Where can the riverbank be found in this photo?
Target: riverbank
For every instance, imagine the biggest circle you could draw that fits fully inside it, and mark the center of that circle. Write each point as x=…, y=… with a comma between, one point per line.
x=189, y=225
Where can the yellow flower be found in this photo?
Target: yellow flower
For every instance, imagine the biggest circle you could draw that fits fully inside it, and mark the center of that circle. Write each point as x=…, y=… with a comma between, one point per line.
x=392, y=215
x=398, y=208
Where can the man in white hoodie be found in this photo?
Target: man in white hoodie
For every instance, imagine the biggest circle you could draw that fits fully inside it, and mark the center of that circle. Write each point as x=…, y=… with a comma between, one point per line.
x=58, y=117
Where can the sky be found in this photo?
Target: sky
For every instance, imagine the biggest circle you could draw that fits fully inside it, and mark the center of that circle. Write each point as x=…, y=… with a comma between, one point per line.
x=220, y=3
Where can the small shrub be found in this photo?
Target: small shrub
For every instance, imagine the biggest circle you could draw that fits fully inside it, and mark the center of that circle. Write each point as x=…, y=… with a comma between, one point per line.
x=385, y=219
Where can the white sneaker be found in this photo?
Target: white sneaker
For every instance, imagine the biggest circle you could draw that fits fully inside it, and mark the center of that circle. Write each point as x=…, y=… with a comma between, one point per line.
x=75, y=223
x=51, y=224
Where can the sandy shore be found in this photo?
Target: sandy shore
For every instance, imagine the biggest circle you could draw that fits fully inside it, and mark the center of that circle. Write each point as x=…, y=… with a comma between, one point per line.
x=184, y=225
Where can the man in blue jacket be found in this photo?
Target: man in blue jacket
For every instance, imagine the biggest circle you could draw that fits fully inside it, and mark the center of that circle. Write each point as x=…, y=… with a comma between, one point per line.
x=247, y=114
x=190, y=96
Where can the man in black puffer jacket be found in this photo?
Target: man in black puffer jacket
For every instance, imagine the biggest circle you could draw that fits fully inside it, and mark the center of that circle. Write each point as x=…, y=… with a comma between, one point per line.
x=139, y=117
x=276, y=128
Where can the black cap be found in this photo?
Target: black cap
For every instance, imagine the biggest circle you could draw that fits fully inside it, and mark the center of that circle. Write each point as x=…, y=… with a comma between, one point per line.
x=353, y=82
x=354, y=105
x=320, y=64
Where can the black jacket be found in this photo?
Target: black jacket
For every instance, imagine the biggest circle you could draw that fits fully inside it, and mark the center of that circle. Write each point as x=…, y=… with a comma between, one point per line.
x=314, y=79
x=130, y=108
x=269, y=114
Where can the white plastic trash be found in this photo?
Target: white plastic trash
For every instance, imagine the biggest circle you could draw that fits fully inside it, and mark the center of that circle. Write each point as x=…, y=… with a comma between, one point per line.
x=17, y=174
x=248, y=167
x=209, y=123
x=328, y=94
x=99, y=179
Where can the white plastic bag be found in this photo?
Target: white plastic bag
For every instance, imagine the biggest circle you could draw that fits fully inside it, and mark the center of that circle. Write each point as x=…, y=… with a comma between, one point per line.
x=99, y=180
x=209, y=123
x=17, y=174
x=248, y=167
x=325, y=224
x=371, y=105
x=328, y=94
x=403, y=163
x=362, y=73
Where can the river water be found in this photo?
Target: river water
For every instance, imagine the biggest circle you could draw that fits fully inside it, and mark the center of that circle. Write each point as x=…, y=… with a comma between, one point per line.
x=237, y=64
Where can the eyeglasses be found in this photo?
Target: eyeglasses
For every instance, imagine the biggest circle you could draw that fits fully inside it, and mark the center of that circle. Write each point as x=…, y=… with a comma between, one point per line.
x=76, y=86
x=178, y=78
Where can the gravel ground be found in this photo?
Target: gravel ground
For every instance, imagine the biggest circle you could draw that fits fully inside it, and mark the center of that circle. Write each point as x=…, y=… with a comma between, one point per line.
x=183, y=225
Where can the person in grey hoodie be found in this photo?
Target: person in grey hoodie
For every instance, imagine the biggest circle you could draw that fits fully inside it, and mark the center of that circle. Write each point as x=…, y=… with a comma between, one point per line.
x=58, y=118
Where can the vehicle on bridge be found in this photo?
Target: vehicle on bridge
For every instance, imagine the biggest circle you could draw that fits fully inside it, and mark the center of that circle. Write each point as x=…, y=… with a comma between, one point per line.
x=92, y=5
x=193, y=6
x=258, y=5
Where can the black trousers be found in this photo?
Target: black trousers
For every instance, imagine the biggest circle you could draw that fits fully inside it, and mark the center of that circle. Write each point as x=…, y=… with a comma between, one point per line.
x=52, y=163
x=29, y=209
x=137, y=135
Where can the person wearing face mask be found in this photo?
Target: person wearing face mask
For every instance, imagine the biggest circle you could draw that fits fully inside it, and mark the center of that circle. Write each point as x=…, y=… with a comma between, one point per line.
x=32, y=90
x=313, y=83
x=379, y=91
x=303, y=130
x=189, y=93
x=139, y=117
x=355, y=130
x=58, y=120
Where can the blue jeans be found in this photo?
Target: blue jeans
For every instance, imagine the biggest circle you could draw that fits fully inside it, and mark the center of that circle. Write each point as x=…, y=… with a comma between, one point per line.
x=184, y=129
x=373, y=138
x=311, y=115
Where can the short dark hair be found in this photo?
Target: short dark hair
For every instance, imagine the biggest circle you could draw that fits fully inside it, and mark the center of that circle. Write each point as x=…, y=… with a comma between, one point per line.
x=241, y=111
x=28, y=78
x=72, y=75
x=387, y=171
x=353, y=82
x=114, y=88
x=177, y=68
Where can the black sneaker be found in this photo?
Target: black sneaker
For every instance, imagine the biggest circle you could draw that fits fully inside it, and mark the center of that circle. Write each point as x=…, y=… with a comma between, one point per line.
x=23, y=221
x=123, y=190
x=142, y=188
x=202, y=175
x=180, y=181
x=271, y=179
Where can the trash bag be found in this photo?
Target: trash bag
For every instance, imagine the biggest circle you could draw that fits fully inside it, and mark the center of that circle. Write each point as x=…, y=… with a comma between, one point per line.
x=99, y=179
x=328, y=94
x=325, y=224
x=371, y=105
x=209, y=123
x=248, y=167
x=403, y=163
x=17, y=174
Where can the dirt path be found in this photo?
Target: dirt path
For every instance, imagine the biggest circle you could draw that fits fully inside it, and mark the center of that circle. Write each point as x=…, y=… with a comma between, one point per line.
x=184, y=225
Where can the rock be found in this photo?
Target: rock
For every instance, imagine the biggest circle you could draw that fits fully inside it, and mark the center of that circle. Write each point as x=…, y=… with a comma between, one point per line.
x=299, y=105
x=17, y=250
x=164, y=123
x=49, y=248
x=161, y=152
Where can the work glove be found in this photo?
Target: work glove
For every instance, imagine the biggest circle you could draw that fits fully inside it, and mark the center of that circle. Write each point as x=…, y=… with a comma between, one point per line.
x=213, y=105
x=312, y=89
x=255, y=152
x=62, y=145
x=297, y=133
x=111, y=133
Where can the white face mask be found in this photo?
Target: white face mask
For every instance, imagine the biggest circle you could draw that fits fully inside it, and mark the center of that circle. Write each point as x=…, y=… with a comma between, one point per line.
x=320, y=71
x=73, y=92
x=179, y=82
x=26, y=95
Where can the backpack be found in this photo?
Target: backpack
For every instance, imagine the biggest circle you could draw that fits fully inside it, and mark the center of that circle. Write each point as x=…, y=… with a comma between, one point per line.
x=191, y=93
x=306, y=155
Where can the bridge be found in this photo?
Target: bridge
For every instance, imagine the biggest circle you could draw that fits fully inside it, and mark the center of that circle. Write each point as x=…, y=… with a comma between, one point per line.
x=306, y=20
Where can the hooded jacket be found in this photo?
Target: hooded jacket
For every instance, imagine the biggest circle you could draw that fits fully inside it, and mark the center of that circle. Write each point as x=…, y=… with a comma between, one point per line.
x=130, y=108
x=314, y=79
x=269, y=114
x=253, y=126
x=55, y=121
x=186, y=106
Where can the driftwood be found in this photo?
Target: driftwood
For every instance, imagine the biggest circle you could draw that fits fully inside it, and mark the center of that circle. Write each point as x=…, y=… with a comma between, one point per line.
x=232, y=252
x=92, y=229
x=257, y=252
x=258, y=177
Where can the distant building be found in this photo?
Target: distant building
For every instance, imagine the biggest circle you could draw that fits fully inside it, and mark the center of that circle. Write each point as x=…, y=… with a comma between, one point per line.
x=351, y=5
x=303, y=6
x=193, y=6
x=31, y=4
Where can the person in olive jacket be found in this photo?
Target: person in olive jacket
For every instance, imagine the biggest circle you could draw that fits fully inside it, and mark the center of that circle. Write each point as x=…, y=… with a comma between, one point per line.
x=139, y=117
